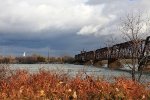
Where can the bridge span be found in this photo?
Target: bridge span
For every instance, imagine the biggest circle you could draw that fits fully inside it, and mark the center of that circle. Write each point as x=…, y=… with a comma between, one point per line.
x=139, y=50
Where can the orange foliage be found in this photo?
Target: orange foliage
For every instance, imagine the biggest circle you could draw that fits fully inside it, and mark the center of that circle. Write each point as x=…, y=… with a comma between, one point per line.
x=47, y=85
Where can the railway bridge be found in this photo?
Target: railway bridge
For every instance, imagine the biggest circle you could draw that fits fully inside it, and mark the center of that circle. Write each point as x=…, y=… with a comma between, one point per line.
x=138, y=49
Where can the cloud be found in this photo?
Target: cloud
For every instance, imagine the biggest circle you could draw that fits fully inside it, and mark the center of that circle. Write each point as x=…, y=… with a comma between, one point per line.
x=32, y=16
x=36, y=17
x=110, y=16
x=61, y=25
x=98, y=28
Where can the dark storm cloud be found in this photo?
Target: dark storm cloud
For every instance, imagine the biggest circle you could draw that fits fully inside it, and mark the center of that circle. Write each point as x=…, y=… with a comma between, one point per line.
x=68, y=44
x=61, y=26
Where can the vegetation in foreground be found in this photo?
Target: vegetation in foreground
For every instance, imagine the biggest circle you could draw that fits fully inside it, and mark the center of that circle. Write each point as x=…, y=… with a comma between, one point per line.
x=48, y=85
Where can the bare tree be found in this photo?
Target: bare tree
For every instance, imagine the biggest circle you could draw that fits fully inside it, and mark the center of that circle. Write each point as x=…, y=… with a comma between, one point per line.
x=134, y=28
x=112, y=51
x=109, y=43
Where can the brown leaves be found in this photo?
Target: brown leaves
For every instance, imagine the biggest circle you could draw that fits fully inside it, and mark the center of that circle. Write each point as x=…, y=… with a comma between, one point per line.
x=46, y=85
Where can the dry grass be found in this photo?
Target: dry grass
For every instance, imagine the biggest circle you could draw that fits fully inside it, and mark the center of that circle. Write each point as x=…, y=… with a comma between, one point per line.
x=46, y=85
x=4, y=71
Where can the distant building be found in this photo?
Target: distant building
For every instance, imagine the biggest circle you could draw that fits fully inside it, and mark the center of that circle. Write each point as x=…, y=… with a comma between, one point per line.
x=24, y=54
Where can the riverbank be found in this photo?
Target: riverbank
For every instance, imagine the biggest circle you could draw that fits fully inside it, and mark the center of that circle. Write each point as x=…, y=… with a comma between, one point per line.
x=51, y=85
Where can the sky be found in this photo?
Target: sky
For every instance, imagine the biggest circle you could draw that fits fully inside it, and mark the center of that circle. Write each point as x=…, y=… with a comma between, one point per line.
x=61, y=27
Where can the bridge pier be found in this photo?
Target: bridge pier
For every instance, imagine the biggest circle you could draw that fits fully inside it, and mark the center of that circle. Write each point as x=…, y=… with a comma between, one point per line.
x=99, y=63
x=89, y=62
x=146, y=67
x=114, y=63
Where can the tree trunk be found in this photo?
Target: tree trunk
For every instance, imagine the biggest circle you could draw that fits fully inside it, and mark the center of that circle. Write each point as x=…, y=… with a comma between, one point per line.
x=133, y=75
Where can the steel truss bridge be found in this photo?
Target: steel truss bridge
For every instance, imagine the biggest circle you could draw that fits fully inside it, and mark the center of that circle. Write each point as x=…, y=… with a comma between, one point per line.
x=136, y=49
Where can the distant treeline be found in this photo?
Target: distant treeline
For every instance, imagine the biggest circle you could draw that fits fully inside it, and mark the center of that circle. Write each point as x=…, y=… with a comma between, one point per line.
x=33, y=59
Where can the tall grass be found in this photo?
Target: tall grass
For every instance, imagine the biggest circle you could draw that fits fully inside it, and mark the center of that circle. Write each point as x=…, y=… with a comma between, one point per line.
x=47, y=85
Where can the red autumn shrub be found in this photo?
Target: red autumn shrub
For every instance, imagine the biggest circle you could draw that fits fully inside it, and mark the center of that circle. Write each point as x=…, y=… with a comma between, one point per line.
x=53, y=86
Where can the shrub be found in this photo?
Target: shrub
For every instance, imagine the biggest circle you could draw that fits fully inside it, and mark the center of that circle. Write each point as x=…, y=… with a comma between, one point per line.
x=47, y=85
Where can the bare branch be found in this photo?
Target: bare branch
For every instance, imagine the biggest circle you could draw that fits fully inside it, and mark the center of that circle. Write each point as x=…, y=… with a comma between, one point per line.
x=132, y=27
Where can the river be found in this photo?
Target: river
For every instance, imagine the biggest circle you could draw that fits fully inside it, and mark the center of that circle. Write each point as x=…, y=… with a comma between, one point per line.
x=73, y=70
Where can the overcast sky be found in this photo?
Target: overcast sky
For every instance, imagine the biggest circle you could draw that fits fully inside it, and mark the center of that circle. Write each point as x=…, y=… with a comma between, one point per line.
x=62, y=27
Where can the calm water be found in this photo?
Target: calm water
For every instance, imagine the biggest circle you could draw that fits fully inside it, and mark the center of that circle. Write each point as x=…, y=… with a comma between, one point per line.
x=74, y=69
